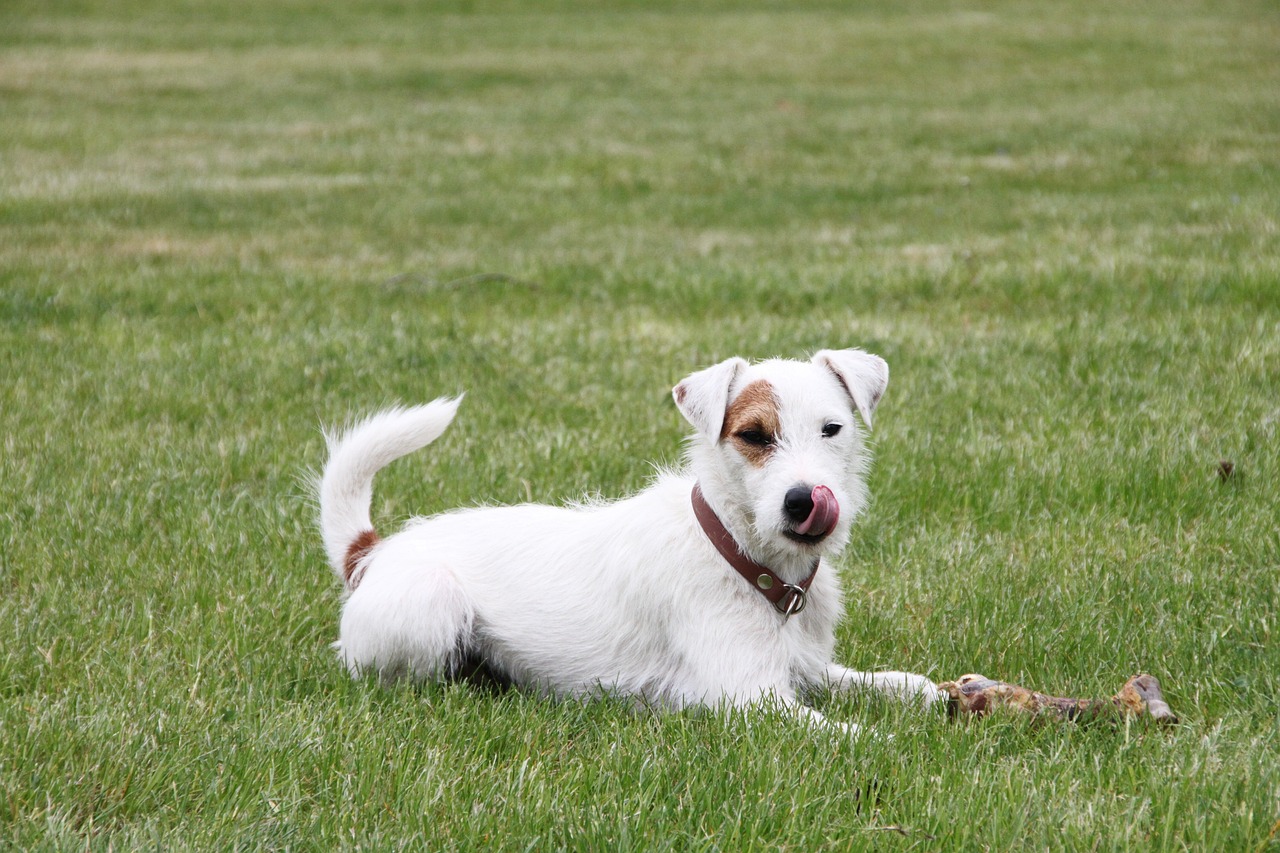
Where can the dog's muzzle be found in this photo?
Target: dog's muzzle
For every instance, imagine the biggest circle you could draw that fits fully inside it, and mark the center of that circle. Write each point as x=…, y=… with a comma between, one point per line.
x=812, y=513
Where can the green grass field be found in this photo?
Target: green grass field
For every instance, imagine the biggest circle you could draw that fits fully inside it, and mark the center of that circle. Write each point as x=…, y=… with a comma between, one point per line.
x=225, y=223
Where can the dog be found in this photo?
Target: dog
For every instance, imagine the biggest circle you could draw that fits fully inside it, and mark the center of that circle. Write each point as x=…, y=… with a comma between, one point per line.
x=711, y=587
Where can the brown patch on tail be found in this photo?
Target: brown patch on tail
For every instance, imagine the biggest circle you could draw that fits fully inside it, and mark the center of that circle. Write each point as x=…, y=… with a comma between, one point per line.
x=357, y=551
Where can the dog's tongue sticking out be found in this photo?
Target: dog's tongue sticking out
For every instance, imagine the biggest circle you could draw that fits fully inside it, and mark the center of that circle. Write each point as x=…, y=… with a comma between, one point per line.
x=826, y=512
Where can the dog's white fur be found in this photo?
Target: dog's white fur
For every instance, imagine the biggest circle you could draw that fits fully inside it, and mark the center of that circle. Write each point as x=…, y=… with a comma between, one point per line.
x=626, y=598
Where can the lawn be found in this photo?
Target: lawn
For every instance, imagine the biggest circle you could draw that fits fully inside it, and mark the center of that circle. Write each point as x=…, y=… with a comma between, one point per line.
x=225, y=224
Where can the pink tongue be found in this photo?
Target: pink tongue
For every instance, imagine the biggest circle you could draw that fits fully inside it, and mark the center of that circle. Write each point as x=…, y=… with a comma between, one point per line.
x=826, y=511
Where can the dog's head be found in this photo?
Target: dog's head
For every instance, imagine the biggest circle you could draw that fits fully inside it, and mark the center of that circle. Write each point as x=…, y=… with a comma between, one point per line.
x=778, y=449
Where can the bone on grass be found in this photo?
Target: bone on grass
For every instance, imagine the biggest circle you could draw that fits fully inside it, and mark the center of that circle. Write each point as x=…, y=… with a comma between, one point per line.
x=978, y=695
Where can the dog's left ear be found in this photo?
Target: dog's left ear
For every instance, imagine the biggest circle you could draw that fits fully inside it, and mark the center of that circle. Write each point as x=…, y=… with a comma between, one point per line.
x=703, y=397
x=863, y=375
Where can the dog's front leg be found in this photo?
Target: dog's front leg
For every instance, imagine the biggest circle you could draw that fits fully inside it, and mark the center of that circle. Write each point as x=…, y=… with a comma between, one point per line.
x=906, y=686
x=793, y=707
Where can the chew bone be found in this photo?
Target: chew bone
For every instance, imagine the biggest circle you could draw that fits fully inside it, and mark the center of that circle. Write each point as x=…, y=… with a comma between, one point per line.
x=978, y=695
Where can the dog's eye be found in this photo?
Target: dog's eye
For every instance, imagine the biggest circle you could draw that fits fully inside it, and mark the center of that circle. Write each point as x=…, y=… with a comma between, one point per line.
x=757, y=437
x=831, y=430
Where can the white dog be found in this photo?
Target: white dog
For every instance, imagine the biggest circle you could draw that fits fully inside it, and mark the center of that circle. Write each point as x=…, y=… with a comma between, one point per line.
x=710, y=587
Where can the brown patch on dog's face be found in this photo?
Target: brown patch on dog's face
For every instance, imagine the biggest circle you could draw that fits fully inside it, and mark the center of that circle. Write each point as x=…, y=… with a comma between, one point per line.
x=752, y=423
x=356, y=552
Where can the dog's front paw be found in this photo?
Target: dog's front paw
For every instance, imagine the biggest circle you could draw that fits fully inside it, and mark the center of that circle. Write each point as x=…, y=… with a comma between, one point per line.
x=929, y=692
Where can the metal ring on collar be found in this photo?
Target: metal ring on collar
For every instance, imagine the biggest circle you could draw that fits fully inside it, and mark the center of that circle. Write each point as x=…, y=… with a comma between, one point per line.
x=792, y=601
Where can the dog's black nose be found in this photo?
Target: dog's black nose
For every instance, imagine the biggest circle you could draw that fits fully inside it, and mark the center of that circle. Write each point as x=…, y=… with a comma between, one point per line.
x=798, y=503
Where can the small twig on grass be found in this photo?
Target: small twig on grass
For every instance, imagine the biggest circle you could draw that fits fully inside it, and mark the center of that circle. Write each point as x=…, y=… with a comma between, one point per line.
x=1275, y=827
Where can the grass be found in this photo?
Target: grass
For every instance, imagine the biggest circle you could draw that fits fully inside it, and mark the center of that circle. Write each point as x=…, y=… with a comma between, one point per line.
x=222, y=224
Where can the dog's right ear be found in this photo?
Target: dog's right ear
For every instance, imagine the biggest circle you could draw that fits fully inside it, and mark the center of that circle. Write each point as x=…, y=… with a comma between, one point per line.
x=704, y=396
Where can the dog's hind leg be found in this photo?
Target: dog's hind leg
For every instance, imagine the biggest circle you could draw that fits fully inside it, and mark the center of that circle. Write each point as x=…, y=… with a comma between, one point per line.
x=406, y=620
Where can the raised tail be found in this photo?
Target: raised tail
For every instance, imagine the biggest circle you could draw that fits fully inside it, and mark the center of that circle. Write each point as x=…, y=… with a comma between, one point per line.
x=355, y=456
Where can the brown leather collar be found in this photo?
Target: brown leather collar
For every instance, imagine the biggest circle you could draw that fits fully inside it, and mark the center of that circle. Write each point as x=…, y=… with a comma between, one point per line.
x=788, y=598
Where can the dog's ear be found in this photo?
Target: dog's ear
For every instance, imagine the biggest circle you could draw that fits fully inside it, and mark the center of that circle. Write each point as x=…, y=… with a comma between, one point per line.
x=863, y=375
x=704, y=396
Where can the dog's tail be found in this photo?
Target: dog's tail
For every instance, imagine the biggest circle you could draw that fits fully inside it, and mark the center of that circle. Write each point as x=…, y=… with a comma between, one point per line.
x=355, y=456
